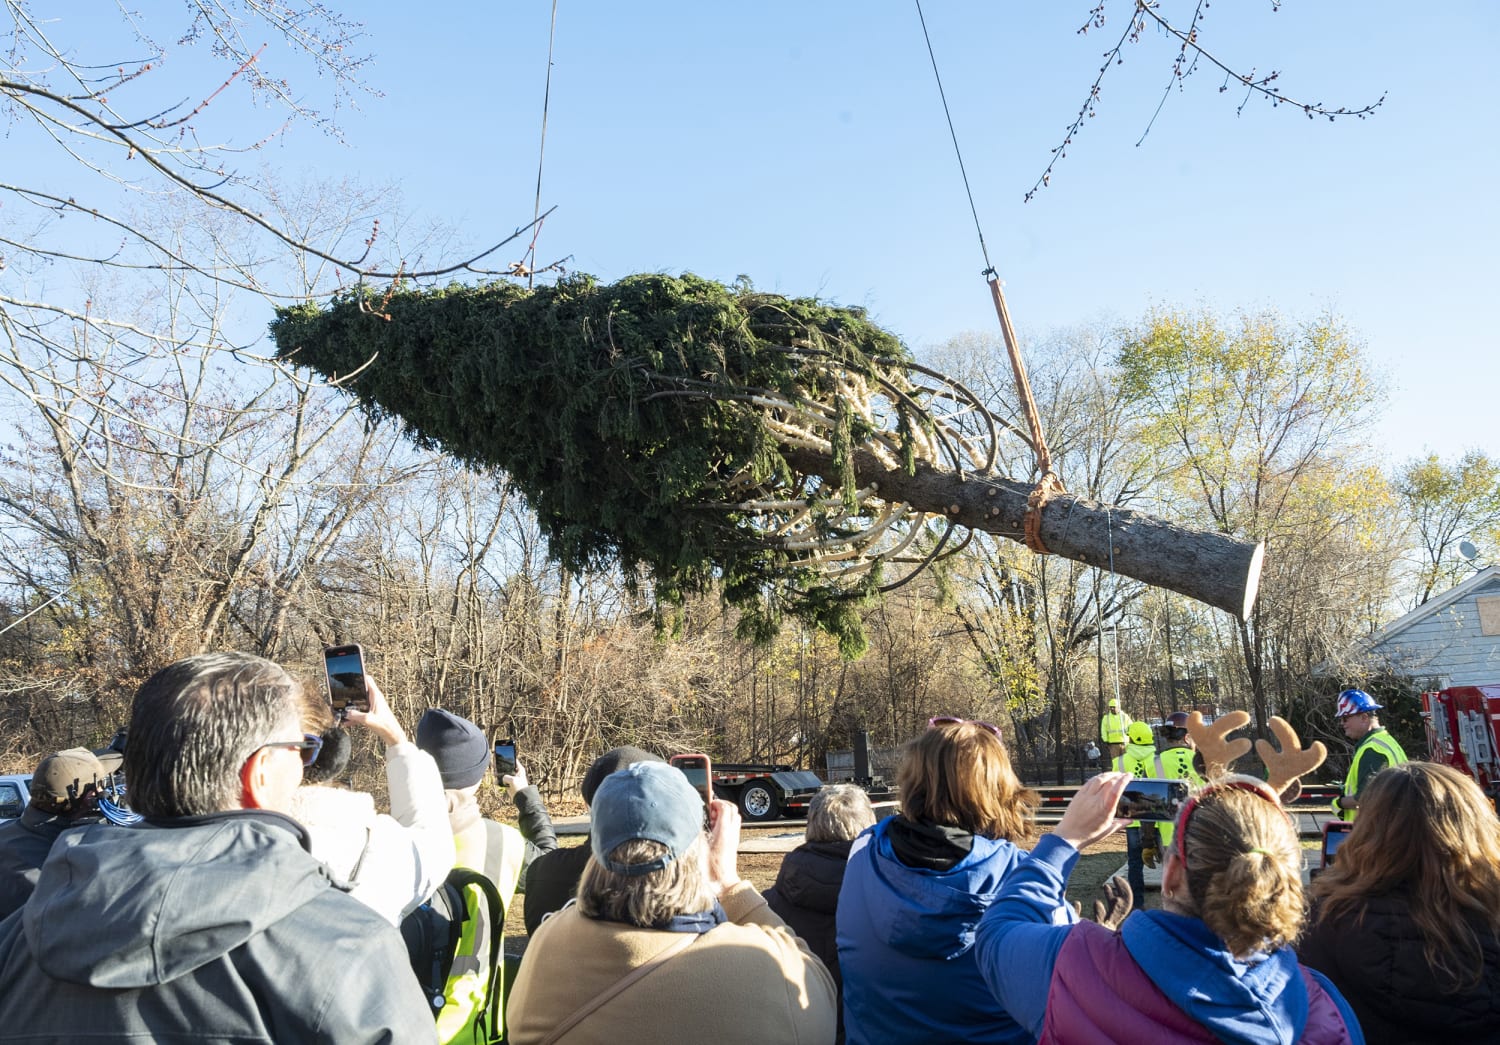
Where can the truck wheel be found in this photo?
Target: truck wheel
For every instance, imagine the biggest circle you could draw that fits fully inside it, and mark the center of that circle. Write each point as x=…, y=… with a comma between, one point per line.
x=758, y=802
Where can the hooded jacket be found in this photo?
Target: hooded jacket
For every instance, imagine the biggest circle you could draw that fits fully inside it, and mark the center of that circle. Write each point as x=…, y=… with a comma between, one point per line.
x=1379, y=963
x=1165, y=975
x=906, y=936
x=390, y=863
x=220, y=927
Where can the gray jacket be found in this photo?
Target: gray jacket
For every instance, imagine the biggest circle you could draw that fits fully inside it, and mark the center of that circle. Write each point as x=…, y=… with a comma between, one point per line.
x=205, y=928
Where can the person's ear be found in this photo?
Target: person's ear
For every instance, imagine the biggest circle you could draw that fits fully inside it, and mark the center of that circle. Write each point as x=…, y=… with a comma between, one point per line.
x=255, y=780
x=1174, y=874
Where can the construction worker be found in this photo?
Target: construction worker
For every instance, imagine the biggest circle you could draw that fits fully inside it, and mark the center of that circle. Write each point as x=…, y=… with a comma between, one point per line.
x=1178, y=760
x=1142, y=842
x=1374, y=748
x=1112, y=729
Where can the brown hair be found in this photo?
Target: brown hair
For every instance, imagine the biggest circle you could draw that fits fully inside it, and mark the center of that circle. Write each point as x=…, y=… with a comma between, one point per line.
x=648, y=900
x=958, y=775
x=1427, y=830
x=1244, y=868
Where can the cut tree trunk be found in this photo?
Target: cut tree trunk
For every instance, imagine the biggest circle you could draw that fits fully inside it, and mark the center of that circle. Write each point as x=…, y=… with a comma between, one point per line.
x=1211, y=567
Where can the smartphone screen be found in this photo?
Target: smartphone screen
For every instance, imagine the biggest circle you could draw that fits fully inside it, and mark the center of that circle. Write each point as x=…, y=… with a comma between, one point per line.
x=1335, y=834
x=699, y=773
x=505, y=757
x=1158, y=800
x=345, y=666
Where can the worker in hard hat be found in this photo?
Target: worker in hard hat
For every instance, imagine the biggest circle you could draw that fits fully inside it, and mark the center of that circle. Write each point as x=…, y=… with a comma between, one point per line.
x=1374, y=748
x=1112, y=729
x=1142, y=841
x=1178, y=759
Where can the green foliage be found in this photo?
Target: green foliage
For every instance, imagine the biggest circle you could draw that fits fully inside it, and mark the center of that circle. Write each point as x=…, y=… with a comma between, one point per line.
x=1447, y=503
x=622, y=413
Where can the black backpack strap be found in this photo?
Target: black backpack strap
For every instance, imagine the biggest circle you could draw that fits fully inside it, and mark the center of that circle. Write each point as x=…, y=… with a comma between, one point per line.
x=462, y=877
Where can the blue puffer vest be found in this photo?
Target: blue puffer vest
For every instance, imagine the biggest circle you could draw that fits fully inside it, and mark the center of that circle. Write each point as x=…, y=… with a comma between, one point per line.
x=1100, y=995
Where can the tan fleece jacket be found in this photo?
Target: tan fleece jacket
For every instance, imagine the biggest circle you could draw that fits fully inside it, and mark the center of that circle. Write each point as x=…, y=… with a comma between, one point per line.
x=749, y=980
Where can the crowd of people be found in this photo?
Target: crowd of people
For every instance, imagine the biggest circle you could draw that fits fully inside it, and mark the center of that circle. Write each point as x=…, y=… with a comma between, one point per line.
x=259, y=900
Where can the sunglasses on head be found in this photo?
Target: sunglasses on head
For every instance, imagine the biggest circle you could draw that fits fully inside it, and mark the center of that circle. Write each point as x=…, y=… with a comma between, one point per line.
x=949, y=720
x=309, y=745
x=1255, y=788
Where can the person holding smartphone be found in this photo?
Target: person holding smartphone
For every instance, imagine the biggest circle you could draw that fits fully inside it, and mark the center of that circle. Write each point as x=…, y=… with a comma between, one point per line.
x=390, y=862
x=659, y=896
x=1215, y=964
x=464, y=756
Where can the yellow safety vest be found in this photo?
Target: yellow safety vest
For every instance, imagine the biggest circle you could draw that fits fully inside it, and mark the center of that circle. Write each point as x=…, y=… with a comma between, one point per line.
x=1139, y=765
x=1383, y=744
x=1112, y=728
x=1178, y=764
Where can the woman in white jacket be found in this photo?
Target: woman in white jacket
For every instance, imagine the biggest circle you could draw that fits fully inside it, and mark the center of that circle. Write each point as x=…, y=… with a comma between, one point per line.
x=391, y=863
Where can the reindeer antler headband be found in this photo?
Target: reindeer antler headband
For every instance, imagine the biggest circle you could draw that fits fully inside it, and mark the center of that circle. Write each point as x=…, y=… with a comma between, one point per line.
x=1283, y=766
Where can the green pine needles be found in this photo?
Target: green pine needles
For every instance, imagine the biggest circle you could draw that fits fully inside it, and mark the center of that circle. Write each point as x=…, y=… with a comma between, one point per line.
x=638, y=419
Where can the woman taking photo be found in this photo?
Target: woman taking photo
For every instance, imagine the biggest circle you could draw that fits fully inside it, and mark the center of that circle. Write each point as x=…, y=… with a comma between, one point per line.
x=917, y=885
x=1213, y=965
x=1407, y=922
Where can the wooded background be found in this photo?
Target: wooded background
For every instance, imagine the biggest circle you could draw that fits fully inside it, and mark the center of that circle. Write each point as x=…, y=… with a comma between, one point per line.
x=166, y=487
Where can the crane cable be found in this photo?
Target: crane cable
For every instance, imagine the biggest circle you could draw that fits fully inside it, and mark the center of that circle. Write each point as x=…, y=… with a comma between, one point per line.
x=536, y=212
x=1050, y=484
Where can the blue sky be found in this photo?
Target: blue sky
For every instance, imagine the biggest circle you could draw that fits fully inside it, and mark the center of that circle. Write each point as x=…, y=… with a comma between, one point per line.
x=804, y=144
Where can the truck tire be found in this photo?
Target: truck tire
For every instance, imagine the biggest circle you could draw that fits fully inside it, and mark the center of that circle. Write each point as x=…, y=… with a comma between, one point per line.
x=758, y=802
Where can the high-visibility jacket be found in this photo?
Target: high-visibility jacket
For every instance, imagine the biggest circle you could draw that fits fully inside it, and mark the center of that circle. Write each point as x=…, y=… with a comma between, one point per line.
x=1178, y=765
x=1140, y=761
x=1378, y=746
x=1112, y=727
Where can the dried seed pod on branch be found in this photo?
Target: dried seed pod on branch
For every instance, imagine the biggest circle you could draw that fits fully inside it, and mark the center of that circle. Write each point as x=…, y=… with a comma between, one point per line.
x=789, y=450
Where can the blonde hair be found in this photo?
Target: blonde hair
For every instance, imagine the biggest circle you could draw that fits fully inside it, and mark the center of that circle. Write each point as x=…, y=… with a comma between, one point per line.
x=958, y=775
x=648, y=900
x=1427, y=830
x=838, y=813
x=1243, y=864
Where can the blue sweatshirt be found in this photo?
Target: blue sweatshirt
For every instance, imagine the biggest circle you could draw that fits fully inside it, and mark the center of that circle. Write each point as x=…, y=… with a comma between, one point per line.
x=1261, y=1002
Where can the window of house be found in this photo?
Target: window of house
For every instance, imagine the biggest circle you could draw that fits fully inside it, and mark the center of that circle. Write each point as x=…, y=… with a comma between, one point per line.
x=1489, y=614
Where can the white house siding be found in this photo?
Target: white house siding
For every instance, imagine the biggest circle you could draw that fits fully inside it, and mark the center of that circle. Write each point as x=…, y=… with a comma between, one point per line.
x=1443, y=643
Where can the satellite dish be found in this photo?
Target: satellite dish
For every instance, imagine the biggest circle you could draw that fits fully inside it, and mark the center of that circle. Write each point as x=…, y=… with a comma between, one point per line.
x=1467, y=550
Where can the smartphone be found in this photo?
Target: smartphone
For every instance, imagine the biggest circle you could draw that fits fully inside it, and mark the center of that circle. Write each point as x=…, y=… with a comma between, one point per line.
x=699, y=772
x=1335, y=834
x=345, y=666
x=1159, y=800
x=505, y=757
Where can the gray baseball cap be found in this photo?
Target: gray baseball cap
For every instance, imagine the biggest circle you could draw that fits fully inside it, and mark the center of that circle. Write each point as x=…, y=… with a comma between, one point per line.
x=650, y=800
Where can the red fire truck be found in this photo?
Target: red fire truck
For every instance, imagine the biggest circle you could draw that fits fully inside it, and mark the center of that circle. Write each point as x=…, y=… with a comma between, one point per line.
x=1462, y=732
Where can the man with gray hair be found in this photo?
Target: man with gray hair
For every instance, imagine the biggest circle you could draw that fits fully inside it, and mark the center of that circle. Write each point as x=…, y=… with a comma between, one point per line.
x=806, y=893
x=210, y=919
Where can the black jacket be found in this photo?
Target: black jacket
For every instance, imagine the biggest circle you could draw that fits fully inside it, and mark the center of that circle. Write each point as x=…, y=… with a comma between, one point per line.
x=552, y=880
x=806, y=895
x=24, y=845
x=211, y=928
x=1378, y=964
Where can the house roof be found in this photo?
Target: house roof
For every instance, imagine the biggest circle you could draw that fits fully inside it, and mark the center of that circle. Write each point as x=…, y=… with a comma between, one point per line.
x=1484, y=578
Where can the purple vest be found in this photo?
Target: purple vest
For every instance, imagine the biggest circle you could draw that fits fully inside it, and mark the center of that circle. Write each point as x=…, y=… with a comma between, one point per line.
x=1100, y=996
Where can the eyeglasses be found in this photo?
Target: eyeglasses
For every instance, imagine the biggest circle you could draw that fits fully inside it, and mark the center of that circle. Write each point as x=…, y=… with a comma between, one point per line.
x=1255, y=788
x=949, y=720
x=309, y=745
